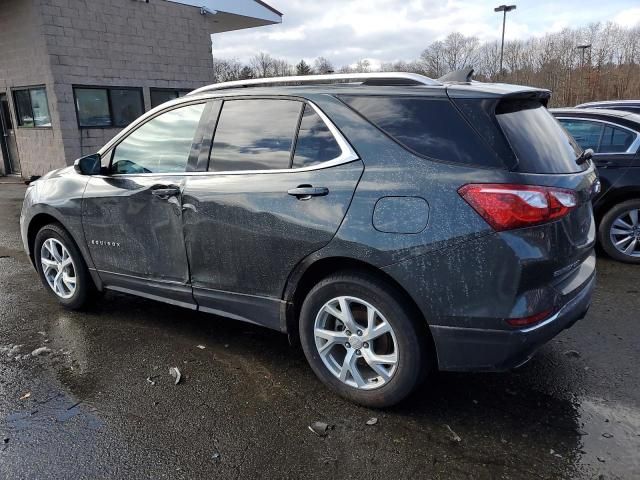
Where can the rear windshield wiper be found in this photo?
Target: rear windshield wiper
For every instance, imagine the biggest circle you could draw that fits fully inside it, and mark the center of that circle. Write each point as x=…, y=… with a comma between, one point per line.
x=585, y=156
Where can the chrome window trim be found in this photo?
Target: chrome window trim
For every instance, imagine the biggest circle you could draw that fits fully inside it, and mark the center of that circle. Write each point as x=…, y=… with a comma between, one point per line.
x=348, y=154
x=633, y=148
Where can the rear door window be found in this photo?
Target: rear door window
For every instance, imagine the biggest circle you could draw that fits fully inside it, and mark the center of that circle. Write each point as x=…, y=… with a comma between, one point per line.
x=539, y=142
x=430, y=127
x=316, y=143
x=585, y=132
x=599, y=136
x=616, y=140
x=255, y=135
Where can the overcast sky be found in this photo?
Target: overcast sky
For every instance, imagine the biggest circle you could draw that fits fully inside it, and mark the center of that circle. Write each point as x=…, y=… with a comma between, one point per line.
x=345, y=31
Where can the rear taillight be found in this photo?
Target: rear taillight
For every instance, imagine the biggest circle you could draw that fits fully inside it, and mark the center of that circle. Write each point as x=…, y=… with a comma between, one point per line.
x=530, y=320
x=507, y=206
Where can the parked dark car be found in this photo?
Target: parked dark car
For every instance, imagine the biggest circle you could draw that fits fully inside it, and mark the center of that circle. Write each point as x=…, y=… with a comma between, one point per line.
x=614, y=136
x=631, y=106
x=393, y=224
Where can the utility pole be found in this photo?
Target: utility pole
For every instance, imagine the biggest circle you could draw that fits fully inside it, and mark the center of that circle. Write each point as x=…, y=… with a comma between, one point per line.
x=583, y=49
x=504, y=9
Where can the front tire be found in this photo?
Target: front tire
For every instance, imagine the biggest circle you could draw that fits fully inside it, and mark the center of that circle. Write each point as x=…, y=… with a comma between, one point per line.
x=619, y=232
x=361, y=341
x=61, y=267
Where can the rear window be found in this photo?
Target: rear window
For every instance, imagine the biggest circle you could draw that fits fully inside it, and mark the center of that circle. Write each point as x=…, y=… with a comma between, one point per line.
x=430, y=127
x=539, y=142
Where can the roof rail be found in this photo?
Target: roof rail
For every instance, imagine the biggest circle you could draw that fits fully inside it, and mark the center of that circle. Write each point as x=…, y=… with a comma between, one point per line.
x=380, y=79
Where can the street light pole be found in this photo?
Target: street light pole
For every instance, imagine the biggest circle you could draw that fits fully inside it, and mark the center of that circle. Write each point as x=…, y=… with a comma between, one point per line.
x=582, y=48
x=504, y=9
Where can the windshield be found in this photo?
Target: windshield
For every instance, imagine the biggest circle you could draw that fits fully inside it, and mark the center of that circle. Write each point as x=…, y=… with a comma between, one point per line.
x=538, y=140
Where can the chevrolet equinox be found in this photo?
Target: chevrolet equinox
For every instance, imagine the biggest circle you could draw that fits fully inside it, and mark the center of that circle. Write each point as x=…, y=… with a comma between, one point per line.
x=391, y=223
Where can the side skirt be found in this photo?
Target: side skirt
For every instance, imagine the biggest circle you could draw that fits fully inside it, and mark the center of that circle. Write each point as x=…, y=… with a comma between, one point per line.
x=262, y=311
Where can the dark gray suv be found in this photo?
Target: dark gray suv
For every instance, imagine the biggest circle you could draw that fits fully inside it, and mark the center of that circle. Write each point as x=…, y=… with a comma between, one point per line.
x=392, y=223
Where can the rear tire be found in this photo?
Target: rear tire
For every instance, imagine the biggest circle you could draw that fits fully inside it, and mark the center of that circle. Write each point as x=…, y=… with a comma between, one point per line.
x=61, y=267
x=621, y=224
x=365, y=366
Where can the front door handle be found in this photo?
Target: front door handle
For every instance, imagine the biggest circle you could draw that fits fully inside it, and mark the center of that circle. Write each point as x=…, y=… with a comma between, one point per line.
x=165, y=193
x=305, y=192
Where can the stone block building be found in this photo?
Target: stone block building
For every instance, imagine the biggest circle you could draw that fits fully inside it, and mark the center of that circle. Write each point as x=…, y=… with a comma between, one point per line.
x=74, y=72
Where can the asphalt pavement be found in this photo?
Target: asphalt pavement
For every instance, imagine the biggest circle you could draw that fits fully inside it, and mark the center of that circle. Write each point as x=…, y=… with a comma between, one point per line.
x=89, y=395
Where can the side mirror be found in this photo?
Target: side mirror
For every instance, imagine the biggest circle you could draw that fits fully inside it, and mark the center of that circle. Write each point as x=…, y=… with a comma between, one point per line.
x=588, y=154
x=89, y=165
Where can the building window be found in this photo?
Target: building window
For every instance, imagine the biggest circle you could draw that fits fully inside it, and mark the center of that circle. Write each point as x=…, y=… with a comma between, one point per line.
x=32, y=107
x=100, y=107
x=161, y=95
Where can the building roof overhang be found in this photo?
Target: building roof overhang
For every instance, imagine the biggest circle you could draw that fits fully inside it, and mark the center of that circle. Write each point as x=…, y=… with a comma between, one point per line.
x=229, y=15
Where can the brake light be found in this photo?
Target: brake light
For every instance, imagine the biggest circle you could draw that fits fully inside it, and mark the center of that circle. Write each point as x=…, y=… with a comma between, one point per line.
x=530, y=320
x=507, y=206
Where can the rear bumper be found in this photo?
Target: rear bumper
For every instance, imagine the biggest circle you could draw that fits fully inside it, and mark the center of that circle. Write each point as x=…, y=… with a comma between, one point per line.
x=466, y=349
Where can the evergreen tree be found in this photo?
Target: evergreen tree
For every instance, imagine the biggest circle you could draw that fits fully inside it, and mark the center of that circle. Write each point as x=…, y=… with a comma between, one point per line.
x=303, y=68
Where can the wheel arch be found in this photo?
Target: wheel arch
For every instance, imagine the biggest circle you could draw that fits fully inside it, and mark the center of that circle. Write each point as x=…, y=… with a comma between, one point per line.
x=35, y=224
x=46, y=217
x=612, y=198
x=310, y=274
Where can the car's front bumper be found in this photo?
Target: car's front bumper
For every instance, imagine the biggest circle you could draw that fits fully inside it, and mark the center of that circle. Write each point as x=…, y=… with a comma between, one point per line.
x=465, y=349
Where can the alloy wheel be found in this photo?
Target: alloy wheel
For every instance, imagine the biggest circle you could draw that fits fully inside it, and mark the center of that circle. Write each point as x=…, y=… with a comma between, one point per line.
x=356, y=343
x=625, y=233
x=58, y=268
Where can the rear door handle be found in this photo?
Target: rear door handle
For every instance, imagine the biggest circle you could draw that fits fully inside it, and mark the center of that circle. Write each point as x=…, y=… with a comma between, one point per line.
x=165, y=193
x=603, y=163
x=305, y=192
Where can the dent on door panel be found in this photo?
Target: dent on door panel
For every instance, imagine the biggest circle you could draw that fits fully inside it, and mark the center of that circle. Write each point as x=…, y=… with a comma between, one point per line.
x=130, y=232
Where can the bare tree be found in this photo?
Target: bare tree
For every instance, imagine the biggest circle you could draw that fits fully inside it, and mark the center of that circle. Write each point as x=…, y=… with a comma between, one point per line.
x=363, y=66
x=262, y=64
x=322, y=66
x=226, y=70
x=282, y=68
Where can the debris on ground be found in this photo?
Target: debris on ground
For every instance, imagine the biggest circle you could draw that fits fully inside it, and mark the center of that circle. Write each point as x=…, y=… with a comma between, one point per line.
x=40, y=351
x=454, y=436
x=25, y=396
x=607, y=435
x=372, y=421
x=215, y=456
x=11, y=350
x=319, y=428
x=150, y=379
x=175, y=373
x=201, y=347
x=572, y=354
